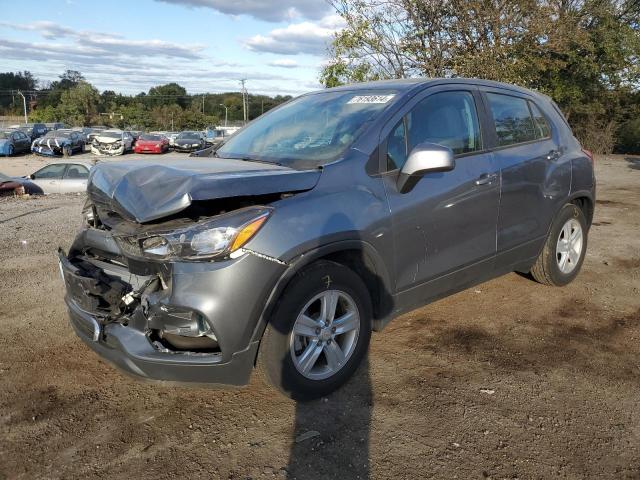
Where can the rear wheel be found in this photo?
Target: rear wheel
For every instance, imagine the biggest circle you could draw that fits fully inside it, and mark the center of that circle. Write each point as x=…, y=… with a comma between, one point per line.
x=563, y=253
x=319, y=332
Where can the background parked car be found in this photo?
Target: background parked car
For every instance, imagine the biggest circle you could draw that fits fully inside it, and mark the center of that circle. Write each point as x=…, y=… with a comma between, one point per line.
x=189, y=141
x=148, y=143
x=95, y=131
x=58, y=142
x=112, y=142
x=14, y=141
x=33, y=130
x=62, y=177
x=15, y=185
x=56, y=126
x=135, y=134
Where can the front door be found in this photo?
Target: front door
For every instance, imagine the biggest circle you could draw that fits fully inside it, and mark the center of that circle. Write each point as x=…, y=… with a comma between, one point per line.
x=448, y=220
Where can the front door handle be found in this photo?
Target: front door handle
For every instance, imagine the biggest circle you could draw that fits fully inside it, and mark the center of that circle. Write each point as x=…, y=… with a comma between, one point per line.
x=553, y=155
x=486, y=178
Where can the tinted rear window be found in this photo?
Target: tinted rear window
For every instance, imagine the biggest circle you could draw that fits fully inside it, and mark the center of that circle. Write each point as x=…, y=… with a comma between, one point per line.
x=512, y=119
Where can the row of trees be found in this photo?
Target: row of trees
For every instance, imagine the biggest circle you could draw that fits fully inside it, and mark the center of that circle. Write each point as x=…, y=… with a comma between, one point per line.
x=583, y=53
x=73, y=100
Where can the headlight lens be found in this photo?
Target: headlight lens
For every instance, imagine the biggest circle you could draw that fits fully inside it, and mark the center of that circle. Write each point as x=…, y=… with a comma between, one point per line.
x=217, y=237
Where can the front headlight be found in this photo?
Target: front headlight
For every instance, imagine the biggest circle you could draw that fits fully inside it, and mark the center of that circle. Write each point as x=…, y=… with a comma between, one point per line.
x=214, y=238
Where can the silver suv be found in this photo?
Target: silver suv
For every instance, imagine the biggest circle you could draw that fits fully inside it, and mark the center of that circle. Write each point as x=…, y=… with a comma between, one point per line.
x=321, y=221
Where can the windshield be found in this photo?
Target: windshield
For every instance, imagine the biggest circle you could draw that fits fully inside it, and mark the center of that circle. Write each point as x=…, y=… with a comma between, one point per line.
x=189, y=135
x=309, y=131
x=111, y=135
x=56, y=134
x=153, y=138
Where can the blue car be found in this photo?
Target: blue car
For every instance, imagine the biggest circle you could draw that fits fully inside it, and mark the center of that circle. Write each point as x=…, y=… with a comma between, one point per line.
x=58, y=142
x=13, y=141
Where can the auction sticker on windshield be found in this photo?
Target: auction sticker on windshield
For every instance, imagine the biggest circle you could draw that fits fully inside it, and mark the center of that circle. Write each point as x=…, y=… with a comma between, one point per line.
x=371, y=99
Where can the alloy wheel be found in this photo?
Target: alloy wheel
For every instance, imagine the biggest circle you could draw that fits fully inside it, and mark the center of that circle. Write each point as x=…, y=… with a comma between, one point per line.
x=325, y=334
x=569, y=246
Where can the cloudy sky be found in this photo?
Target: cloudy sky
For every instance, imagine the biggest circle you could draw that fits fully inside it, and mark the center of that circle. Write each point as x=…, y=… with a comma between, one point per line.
x=205, y=45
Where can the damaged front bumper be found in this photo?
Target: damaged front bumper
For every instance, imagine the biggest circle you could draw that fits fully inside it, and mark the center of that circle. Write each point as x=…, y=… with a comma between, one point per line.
x=148, y=318
x=107, y=149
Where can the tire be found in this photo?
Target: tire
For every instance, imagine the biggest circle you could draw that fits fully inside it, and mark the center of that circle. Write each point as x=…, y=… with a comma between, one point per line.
x=67, y=151
x=11, y=151
x=559, y=263
x=280, y=345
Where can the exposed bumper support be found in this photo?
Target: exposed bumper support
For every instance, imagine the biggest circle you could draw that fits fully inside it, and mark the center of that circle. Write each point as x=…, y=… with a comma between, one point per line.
x=131, y=351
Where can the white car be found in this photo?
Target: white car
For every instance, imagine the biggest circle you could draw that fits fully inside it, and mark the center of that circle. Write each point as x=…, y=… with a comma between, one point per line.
x=62, y=177
x=112, y=142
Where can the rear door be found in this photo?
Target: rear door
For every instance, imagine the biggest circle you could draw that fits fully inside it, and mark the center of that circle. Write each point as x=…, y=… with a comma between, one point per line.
x=448, y=221
x=49, y=178
x=536, y=174
x=74, y=179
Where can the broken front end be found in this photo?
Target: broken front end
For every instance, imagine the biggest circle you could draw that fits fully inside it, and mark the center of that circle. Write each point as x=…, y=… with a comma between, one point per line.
x=176, y=300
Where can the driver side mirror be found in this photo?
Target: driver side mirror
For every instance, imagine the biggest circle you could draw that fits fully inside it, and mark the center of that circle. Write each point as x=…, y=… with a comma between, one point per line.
x=32, y=176
x=424, y=158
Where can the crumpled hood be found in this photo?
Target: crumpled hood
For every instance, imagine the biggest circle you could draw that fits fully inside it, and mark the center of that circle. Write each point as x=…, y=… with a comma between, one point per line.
x=51, y=142
x=146, y=190
x=107, y=139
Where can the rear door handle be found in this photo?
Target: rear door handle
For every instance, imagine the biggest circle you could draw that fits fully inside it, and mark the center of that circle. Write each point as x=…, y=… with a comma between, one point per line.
x=486, y=178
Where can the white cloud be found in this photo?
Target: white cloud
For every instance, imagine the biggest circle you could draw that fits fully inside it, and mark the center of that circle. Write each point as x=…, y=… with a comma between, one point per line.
x=93, y=43
x=267, y=10
x=311, y=38
x=284, y=63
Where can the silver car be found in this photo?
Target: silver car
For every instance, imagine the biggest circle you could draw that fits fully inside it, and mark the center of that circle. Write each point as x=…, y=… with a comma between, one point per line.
x=320, y=221
x=62, y=177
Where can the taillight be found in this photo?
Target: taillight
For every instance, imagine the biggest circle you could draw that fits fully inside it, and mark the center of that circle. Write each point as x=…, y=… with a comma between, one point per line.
x=588, y=153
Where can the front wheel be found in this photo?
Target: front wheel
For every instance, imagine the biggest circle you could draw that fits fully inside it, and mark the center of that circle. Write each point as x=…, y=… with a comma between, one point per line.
x=67, y=151
x=565, y=248
x=319, y=332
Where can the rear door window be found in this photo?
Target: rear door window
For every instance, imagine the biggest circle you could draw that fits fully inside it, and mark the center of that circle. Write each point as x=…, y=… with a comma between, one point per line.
x=512, y=119
x=75, y=172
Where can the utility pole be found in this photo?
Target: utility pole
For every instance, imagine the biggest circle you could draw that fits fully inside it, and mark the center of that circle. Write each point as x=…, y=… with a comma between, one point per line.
x=226, y=113
x=24, y=102
x=245, y=100
x=202, y=104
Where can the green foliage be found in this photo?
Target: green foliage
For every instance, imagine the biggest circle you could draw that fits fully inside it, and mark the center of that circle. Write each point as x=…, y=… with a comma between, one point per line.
x=166, y=107
x=9, y=83
x=629, y=137
x=79, y=104
x=584, y=54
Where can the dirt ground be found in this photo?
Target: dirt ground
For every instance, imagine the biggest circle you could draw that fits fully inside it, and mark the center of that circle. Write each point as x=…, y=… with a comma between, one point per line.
x=507, y=380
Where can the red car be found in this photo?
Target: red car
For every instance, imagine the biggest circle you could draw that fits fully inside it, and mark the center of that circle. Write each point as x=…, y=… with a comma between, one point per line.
x=151, y=144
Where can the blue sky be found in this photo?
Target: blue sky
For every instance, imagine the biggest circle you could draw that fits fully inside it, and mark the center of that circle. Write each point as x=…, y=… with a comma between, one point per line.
x=204, y=45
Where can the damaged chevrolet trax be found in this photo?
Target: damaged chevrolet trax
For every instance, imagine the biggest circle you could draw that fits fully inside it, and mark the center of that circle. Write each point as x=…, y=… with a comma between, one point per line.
x=319, y=222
